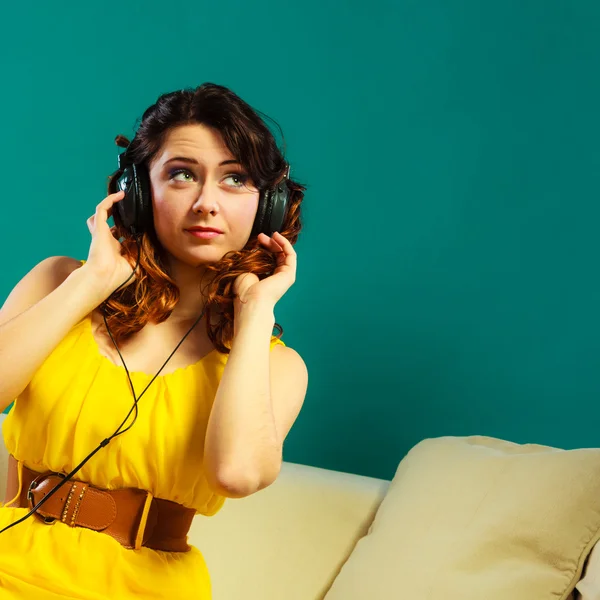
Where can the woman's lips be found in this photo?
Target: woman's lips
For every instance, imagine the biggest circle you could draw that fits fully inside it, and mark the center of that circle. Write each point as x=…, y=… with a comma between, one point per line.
x=204, y=234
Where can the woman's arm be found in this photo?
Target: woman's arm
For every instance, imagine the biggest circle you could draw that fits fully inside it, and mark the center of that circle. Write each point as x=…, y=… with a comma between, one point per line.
x=261, y=391
x=37, y=315
x=258, y=399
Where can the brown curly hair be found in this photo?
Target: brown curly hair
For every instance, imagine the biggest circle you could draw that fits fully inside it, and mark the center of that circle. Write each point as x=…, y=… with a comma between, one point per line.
x=153, y=294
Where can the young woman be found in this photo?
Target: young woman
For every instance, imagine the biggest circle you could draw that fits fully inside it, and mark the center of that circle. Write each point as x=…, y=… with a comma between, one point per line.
x=84, y=344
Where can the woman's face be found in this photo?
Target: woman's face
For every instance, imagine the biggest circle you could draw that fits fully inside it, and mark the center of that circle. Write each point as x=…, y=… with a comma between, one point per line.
x=203, y=202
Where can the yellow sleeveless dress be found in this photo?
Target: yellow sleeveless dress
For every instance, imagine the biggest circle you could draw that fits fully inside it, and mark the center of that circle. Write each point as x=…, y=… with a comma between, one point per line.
x=76, y=399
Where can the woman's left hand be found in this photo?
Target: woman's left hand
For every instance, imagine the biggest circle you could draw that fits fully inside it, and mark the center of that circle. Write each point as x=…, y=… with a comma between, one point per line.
x=247, y=287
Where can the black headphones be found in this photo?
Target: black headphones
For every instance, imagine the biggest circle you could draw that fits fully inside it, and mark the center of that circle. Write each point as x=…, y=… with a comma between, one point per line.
x=135, y=210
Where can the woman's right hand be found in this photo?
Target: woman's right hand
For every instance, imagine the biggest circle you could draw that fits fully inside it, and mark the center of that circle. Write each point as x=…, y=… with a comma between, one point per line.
x=105, y=265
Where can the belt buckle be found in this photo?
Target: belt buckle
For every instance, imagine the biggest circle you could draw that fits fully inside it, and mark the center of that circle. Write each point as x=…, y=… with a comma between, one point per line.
x=32, y=486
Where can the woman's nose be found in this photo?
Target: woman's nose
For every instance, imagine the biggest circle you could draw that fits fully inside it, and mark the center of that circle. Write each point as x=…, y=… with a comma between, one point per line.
x=206, y=202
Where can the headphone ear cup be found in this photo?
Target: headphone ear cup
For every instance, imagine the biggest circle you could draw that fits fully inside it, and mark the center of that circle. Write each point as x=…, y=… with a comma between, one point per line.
x=261, y=212
x=272, y=210
x=279, y=204
x=134, y=211
x=143, y=199
x=125, y=210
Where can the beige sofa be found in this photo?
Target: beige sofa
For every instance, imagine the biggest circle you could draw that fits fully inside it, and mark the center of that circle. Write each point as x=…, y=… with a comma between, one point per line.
x=464, y=518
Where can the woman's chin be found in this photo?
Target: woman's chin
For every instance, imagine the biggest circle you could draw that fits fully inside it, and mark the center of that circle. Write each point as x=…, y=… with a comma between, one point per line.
x=199, y=257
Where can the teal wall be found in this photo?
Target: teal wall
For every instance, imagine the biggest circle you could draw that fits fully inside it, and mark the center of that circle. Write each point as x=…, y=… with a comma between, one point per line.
x=449, y=270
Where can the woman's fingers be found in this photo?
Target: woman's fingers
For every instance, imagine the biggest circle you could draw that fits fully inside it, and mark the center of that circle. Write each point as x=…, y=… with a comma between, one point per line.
x=104, y=211
x=289, y=253
x=104, y=208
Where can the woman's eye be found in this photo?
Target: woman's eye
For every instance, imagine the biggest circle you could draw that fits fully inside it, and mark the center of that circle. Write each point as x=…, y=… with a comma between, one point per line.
x=239, y=180
x=181, y=175
x=233, y=180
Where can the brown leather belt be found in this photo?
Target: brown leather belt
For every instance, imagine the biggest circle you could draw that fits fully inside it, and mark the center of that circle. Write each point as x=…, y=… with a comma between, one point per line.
x=131, y=516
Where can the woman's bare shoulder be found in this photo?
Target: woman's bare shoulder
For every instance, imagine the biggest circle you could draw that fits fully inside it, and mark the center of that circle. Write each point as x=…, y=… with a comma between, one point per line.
x=40, y=281
x=50, y=272
x=61, y=266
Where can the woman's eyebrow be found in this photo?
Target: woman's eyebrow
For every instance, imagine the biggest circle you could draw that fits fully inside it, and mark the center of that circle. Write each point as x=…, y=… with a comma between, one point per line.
x=193, y=161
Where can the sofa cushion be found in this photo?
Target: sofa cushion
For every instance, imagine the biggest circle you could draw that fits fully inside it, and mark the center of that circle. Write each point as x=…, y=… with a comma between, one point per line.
x=289, y=540
x=476, y=517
